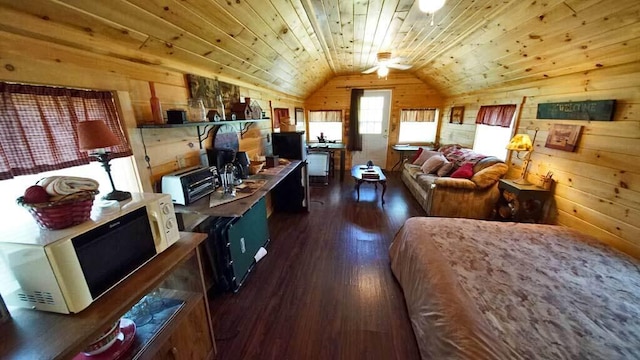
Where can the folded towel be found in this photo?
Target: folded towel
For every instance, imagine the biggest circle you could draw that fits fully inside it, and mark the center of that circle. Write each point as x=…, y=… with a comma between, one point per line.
x=65, y=185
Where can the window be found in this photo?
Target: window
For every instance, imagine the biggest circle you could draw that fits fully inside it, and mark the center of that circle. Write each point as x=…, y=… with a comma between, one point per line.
x=326, y=123
x=493, y=130
x=418, y=125
x=370, y=116
x=38, y=139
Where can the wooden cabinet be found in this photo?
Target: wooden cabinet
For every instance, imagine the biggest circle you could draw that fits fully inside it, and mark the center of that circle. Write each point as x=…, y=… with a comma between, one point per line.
x=189, y=339
x=179, y=325
x=520, y=203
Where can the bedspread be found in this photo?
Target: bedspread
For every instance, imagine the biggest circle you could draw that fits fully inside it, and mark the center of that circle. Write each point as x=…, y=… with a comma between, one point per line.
x=478, y=289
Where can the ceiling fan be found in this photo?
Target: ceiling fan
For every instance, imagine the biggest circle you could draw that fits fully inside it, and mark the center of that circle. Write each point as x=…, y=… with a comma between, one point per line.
x=386, y=62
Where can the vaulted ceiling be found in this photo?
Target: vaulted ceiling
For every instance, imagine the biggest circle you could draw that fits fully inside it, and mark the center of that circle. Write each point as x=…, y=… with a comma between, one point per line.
x=295, y=46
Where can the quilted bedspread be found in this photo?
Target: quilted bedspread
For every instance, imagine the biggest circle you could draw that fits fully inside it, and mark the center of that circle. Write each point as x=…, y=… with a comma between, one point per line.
x=489, y=290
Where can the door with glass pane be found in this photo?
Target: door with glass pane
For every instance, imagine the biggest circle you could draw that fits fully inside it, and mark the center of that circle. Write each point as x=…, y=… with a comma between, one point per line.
x=374, y=127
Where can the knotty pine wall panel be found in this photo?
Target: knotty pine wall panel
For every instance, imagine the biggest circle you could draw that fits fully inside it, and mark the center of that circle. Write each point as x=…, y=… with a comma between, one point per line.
x=34, y=61
x=407, y=92
x=597, y=188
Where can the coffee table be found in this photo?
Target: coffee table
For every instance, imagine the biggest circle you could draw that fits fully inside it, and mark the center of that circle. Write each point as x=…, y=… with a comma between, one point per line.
x=358, y=170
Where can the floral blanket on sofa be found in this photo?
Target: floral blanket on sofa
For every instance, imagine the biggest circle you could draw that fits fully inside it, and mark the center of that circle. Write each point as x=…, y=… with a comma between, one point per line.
x=459, y=155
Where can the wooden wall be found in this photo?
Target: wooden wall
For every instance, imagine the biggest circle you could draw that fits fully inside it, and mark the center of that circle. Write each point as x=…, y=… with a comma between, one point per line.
x=597, y=189
x=34, y=61
x=407, y=92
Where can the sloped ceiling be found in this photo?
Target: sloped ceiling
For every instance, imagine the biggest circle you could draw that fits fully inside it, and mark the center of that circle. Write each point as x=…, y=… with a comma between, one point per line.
x=295, y=46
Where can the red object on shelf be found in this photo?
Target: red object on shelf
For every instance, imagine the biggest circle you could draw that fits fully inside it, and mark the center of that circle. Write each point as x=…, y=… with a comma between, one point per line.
x=119, y=348
x=156, y=109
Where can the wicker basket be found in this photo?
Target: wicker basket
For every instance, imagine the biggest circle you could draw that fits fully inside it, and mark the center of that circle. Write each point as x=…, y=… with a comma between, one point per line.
x=69, y=210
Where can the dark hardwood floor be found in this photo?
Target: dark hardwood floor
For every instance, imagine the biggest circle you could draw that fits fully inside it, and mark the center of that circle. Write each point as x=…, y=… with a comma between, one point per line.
x=325, y=289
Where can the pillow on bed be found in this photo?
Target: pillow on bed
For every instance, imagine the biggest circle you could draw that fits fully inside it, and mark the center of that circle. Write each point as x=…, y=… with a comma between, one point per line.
x=424, y=156
x=432, y=164
x=464, y=172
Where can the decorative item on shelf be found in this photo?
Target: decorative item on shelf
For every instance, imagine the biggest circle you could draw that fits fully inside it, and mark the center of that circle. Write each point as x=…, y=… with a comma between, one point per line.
x=156, y=109
x=220, y=107
x=95, y=135
x=546, y=182
x=176, y=116
x=256, y=110
x=213, y=116
x=272, y=161
x=197, y=111
x=522, y=142
x=242, y=110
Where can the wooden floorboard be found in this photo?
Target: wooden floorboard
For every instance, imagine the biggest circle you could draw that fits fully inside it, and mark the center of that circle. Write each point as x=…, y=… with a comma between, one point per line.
x=325, y=289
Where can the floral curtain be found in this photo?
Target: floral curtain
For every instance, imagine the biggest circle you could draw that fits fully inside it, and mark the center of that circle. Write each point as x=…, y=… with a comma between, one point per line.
x=496, y=115
x=418, y=115
x=38, y=127
x=325, y=116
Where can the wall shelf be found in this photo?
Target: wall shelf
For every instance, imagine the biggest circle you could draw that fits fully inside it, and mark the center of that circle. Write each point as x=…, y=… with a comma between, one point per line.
x=243, y=126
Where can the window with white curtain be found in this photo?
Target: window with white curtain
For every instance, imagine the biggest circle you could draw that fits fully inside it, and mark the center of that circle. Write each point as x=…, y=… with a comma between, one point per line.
x=418, y=125
x=327, y=123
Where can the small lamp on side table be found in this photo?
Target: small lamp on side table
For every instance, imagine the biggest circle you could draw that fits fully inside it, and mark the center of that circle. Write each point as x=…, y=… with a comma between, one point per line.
x=95, y=135
x=522, y=142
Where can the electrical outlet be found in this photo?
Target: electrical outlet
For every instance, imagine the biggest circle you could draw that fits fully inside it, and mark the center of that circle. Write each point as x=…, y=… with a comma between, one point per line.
x=182, y=162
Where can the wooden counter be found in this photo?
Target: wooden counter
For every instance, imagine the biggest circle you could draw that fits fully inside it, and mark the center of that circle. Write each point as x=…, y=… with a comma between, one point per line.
x=238, y=207
x=32, y=334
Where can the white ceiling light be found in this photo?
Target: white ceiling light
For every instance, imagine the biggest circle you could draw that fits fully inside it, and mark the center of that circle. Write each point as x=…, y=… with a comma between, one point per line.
x=430, y=6
x=383, y=71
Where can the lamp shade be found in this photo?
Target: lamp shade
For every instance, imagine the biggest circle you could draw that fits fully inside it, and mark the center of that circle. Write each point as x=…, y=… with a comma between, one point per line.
x=520, y=142
x=95, y=135
x=430, y=6
x=383, y=70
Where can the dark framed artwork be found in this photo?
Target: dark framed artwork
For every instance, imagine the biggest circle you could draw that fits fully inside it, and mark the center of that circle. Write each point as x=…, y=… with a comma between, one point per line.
x=457, y=115
x=299, y=116
x=563, y=137
x=208, y=89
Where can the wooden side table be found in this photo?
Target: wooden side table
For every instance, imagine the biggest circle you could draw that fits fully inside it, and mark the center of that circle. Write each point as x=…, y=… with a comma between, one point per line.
x=520, y=203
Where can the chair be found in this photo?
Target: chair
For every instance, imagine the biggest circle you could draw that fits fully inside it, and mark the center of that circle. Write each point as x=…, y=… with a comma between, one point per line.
x=319, y=166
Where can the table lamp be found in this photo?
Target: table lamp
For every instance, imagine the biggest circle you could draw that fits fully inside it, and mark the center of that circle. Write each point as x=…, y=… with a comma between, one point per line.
x=522, y=142
x=95, y=135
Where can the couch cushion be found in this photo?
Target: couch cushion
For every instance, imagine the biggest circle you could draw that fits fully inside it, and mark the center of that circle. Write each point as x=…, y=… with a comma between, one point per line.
x=464, y=172
x=425, y=180
x=424, y=156
x=432, y=164
x=446, y=168
x=413, y=170
x=485, y=163
x=489, y=175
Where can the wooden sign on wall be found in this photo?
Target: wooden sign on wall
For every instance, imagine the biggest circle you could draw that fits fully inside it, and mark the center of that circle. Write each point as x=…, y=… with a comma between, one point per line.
x=578, y=110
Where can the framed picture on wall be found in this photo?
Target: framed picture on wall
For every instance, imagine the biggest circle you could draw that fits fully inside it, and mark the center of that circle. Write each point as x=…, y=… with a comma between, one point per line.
x=563, y=137
x=457, y=114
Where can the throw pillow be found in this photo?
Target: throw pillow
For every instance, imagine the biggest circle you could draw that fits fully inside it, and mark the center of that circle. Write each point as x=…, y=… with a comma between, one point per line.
x=415, y=157
x=424, y=156
x=464, y=172
x=432, y=164
x=445, y=169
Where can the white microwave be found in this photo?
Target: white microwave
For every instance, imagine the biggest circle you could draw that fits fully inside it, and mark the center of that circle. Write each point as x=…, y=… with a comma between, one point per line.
x=66, y=270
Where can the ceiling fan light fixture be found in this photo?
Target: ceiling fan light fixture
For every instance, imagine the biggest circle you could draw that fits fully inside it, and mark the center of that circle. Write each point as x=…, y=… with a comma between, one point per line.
x=430, y=6
x=383, y=71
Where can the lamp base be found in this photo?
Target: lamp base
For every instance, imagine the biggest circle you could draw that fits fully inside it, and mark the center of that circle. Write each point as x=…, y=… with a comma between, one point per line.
x=117, y=195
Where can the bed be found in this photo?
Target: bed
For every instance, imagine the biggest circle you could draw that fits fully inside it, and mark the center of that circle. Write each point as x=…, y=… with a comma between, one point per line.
x=490, y=290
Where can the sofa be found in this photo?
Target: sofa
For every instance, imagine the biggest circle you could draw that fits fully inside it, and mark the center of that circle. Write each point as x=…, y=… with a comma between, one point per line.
x=446, y=190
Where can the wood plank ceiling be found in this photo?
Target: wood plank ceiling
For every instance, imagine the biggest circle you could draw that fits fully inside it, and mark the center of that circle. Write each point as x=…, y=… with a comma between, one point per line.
x=295, y=46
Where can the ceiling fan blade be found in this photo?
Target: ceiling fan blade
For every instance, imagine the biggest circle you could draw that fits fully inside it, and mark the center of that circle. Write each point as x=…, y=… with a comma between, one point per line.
x=399, y=66
x=370, y=70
